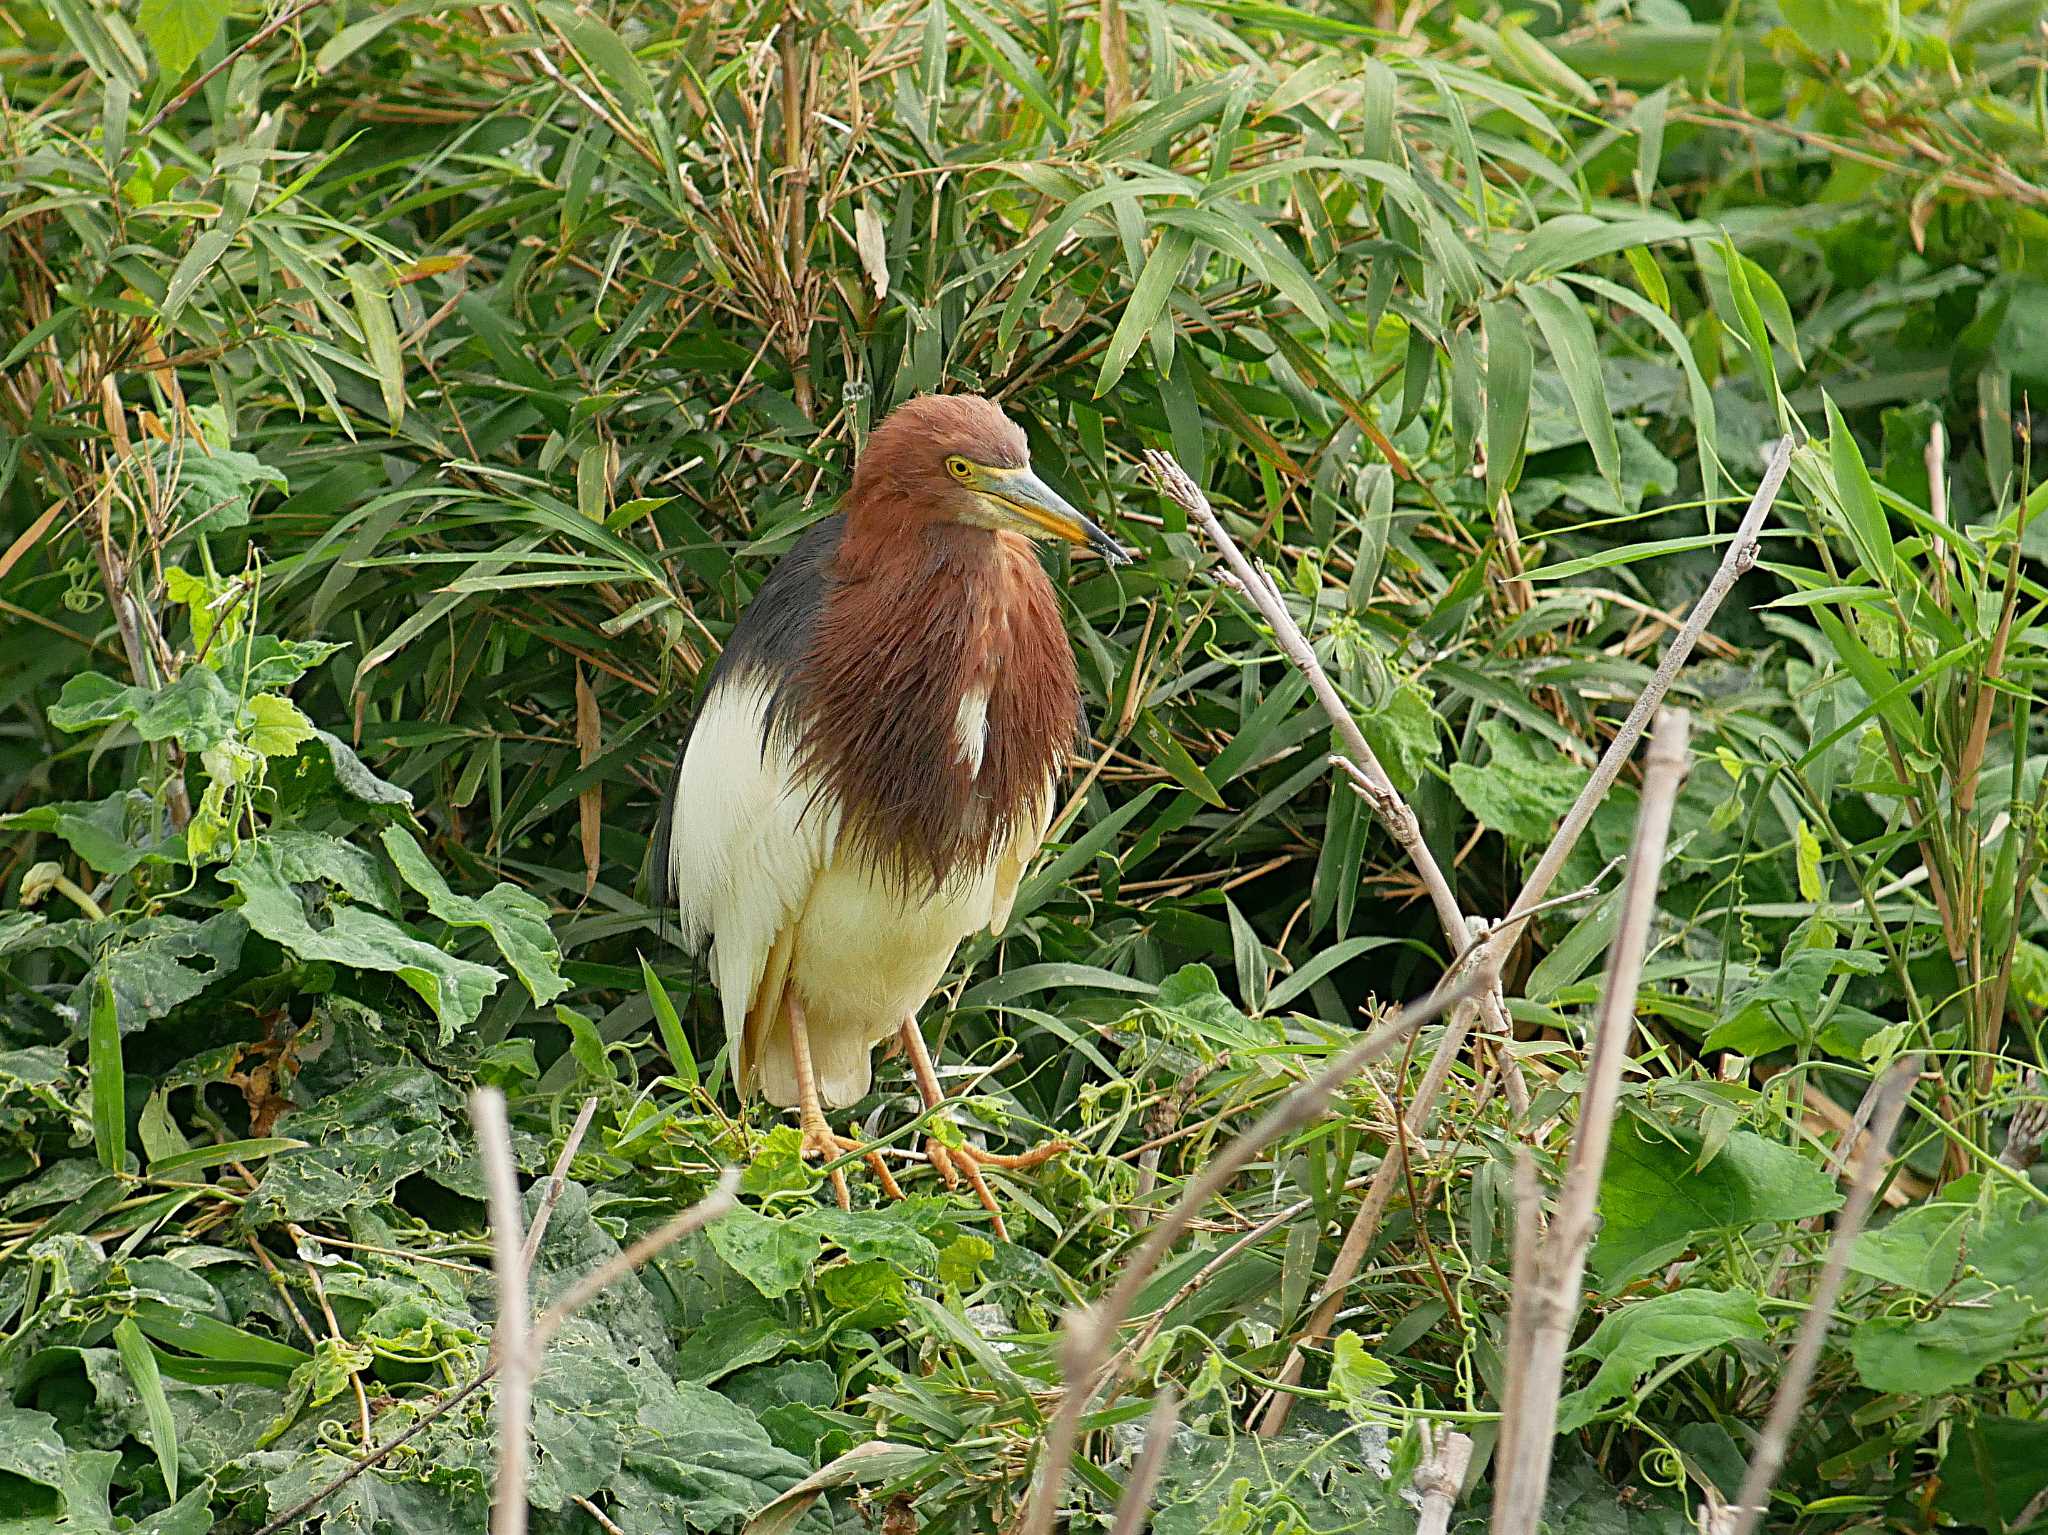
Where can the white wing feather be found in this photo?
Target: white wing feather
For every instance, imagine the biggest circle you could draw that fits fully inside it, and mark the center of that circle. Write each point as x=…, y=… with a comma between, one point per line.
x=746, y=843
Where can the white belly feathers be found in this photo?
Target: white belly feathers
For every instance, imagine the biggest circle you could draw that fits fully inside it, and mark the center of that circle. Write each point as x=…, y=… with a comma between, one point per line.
x=761, y=874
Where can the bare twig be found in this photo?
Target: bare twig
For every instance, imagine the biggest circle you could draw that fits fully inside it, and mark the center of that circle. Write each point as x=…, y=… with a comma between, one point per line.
x=711, y=1207
x=1743, y=550
x=1439, y=1479
x=1550, y=1294
x=509, y=1334
x=557, y=1181
x=1090, y=1332
x=1769, y=1458
x=255, y=40
x=699, y=1215
x=1377, y=788
x=1134, y=1508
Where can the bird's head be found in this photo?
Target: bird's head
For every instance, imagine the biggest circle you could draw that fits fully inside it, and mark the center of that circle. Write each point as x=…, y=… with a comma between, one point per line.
x=956, y=458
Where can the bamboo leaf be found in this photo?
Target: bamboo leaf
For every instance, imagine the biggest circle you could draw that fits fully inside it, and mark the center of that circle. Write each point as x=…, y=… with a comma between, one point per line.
x=1147, y=304
x=109, y=1082
x=1509, y=362
x=139, y=1361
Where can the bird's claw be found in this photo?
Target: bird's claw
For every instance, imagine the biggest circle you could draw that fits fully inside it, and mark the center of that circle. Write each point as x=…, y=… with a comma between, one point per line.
x=823, y=1144
x=960, y=1162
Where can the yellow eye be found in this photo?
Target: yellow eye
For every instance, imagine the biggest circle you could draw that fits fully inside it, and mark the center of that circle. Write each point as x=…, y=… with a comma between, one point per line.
x=958, y=467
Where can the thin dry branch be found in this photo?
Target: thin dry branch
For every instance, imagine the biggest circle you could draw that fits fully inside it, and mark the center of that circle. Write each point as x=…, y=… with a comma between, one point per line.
x=1741, y=557
x=557, y=1181
x=509, y=1334
x=1089, y=1333
x=1439, y=1480
x=1377, y=788
x=1769, y=1457
x=1134, y=1508
x=1549, y=1296
x=714, y=1205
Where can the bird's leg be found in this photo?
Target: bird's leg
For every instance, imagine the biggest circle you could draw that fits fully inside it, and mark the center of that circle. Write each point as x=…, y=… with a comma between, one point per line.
x=964, y=1161
x=819, y=1139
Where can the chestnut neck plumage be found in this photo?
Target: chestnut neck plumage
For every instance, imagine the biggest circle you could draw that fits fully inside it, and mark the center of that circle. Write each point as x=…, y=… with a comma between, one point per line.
x=915, y=620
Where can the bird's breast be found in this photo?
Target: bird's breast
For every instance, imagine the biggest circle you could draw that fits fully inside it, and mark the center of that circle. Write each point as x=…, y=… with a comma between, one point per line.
x=938, y=701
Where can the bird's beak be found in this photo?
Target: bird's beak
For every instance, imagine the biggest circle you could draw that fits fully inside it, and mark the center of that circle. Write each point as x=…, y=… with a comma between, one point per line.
x=1022, y=499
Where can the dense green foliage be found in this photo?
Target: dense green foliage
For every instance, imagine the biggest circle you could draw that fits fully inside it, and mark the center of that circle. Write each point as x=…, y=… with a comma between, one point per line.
x=399, y=402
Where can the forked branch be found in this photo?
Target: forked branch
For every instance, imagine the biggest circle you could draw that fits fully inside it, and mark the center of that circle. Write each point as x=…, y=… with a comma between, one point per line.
x=1089, y=1357
x=1741, y=556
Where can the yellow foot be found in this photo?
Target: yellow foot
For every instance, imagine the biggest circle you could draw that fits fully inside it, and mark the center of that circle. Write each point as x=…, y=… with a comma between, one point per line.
x=964, y=1162
x=822, y=1144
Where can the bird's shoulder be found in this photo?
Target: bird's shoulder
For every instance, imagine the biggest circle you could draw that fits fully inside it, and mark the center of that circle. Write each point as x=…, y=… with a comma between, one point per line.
x=776, y=627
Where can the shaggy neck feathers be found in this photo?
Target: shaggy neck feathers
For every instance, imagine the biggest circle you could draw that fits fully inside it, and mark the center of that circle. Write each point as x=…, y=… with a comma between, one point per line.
x=908, y=628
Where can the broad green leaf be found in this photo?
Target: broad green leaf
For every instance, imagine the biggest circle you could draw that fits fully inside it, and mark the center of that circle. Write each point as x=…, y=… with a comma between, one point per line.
x=358, y=939
x=160, y=963
x=771, y=1255
x=1926, y=1356
x=1355, y=1375
x=1631, y=1341
x=179, y=30
x=517, y=922
x=196, y=711
x=274, y=725
x=1524, y=788
x=1654, y=1198
x=96, y=830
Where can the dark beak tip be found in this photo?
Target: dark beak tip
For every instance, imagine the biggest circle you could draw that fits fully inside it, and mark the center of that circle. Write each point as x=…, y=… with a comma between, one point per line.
x=1112, y=552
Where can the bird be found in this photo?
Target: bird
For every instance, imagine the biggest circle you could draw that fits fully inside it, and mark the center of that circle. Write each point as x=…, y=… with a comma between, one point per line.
x=874, y=765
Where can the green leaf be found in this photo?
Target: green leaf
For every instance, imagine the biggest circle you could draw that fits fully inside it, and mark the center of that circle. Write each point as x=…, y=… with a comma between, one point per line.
x=140, y=1361
x=1868, y=526
x=778, y=1166
x=961, y=1260
x=1860, y=29
x=96, y=830
x=265, y=874
x=179, y=30
x=1654, y=1198
x=1509, y=363
x=380, y=341
x=673, y=1039
x=1991, y=1471
x=1525, y=787
x=274, y=726
x=1781, y=1007
x=1356, y=1376
x=517, y=922
x=1630, y=1341
x=109, y=1081
x=1146, y=305
x=196, y=711
x=771, y=1255
x=1569, y=335
x=161, y=963
x=1926, y=1356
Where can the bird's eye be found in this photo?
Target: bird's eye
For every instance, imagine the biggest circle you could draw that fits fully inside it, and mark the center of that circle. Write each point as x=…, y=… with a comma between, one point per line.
x=958, y=467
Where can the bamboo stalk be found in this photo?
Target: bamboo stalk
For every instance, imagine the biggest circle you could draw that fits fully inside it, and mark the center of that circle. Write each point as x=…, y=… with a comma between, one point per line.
x=1546, y=1303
